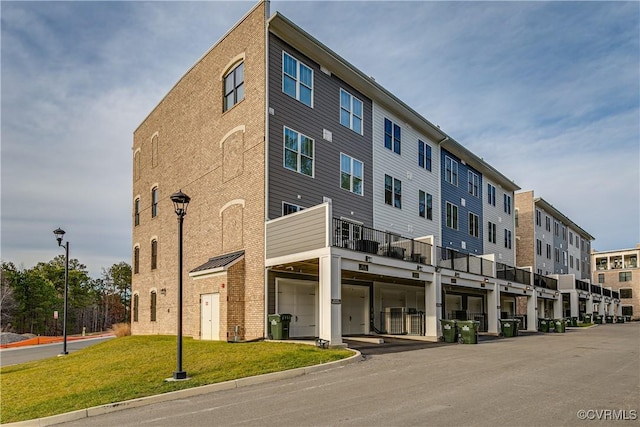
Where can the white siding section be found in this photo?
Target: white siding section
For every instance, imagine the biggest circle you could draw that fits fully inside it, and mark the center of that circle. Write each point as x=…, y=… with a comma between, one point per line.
x=542, y=262
x=502, y=220
x=405, y=221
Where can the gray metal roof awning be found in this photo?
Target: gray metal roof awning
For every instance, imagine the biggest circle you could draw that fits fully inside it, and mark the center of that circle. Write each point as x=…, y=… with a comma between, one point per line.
x=217, y=264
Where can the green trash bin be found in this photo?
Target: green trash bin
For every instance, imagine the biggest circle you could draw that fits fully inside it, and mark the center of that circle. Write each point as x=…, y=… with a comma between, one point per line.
x=574, y=321
x=599, y=319
x=609, y=319
x=279, y=326
x=620, y=319
x=586, y=318
x=508, y=327
x=449, y=332
x=627, y=318
x=468, y=331
x=559, y=326
x=543, y=325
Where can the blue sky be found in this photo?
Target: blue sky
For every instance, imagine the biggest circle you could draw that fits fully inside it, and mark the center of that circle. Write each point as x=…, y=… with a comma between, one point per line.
x=546, y=92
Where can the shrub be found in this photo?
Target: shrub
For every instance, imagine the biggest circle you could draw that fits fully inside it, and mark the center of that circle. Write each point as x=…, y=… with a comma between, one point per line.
x=121, y=329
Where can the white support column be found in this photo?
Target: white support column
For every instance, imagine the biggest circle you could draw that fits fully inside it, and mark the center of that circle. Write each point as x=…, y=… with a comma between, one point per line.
x=532, y=312
x=589, y=305
x=557, y=307
x=493, y=309
x=573, y=303
x=433, y=307
x=602, y=308
x=330, y=316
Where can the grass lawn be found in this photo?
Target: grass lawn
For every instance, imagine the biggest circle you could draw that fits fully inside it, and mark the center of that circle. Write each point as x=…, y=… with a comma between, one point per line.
x=136, y=366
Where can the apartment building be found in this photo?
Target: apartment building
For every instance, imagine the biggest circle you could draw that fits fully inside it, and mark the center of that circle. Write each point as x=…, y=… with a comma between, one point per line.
x=318, y=193
x=618, y=271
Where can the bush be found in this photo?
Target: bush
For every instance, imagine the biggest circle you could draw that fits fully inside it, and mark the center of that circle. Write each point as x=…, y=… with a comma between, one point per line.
x=121, y=329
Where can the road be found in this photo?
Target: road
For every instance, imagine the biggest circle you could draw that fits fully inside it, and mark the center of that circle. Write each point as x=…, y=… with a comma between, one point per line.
x=13, y=356
x=529, y=380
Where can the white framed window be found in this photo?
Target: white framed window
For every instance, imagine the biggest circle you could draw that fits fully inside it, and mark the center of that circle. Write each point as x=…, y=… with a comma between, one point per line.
x=392, y=136
x=474, y=226
x=154, y=202
x=351, y=111
x=538, y=247
x=425, y=205
x=424, y=155
x=491, y=232
x=392, y=192
x=233, y=87
x=289, y=208
x=507, y=238
x=297, y=79
x=491, y=195
x=538, y=218
x=452, y=216
x=507, y=204
x=136, y=211
x=450, y=170
x=351, y=174
x=473, y=183
x=298, y=152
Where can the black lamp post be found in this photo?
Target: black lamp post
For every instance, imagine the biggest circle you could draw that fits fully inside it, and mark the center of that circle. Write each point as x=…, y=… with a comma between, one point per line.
x=59, y=233
x=180, y=203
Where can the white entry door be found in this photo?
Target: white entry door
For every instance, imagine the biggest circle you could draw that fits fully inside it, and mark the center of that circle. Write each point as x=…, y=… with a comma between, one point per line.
x=300, y=299
x=210, y=317
x=354, y=309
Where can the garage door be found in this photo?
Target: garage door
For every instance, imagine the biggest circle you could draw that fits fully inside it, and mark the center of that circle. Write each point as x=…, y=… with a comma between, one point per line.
x=354, y=310
x=300, y=299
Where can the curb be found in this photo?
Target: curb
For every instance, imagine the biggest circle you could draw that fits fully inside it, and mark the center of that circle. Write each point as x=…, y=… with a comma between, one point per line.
x=181, y=394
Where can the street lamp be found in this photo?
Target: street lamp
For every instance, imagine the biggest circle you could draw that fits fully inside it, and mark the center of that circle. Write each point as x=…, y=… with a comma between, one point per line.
x=180, y=203
x=59, y=233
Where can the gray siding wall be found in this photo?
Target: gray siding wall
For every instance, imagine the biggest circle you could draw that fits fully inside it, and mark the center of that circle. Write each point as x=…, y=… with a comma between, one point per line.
x=298, y=189
x=300, y=232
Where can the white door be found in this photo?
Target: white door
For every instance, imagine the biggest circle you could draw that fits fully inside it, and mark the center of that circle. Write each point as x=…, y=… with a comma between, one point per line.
x=210, y=317
x=300, y=299
x=354, y=309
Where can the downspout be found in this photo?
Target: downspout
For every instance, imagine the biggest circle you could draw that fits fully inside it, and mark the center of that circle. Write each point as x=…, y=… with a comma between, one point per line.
x=266, y=165
x=439, y=243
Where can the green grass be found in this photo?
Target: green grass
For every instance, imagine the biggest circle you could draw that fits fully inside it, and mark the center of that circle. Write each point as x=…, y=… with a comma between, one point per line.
x=136, y=366
x=584, y=325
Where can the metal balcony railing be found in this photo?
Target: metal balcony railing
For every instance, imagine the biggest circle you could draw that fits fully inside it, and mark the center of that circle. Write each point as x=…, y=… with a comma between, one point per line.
x=458, y=261
x=606, y=292
x=357, y=237
x=583, y=286
x=545, y=282
x=595, y=289
x=513, y=274
x=615, y=294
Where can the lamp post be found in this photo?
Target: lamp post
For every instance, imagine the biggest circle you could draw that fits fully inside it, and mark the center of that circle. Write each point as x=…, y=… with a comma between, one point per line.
x=59, y=233
x=180, y=203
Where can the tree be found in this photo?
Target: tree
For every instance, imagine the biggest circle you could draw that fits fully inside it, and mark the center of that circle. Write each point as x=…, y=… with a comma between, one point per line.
x=115, y=289
x=8, y=303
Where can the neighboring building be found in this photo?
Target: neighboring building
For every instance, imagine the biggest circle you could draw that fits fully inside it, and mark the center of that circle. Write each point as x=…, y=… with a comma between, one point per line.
x=316, y=192
x=548, y=241
x=618, y=271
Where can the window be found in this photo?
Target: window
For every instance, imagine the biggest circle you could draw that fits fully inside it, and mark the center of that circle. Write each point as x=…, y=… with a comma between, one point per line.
x=288, y=208
x=425, y=205
x=233, y=87
x=548, y=223
x=424, y=155
x=393, y=191
x=507, y=203
x=452, y=216
x=507, y=238
x=473, y=225
x=491, y=194
x=351, y=174
x=564, y=232
x=564, y=258
x=136, y=211
x=624, y=276
x=450, y=170
x=548, y=251
x=136, y=260
x=153, y=306
x=538, y=218
x=600, y=277
x=154, y=254
x=556, y=228
x=154, y=202
x=491, y=232
x=570, y=237
x=136, y=301
x=626, y=293
x=515, y=217
x=392, y=136
x=297, y=79
x=298, y=152
x=627, y=310
x=538, y=247
x=350, y=111
x=571, y=261
x=473, y=183
x=557, y=254
x=136, y=165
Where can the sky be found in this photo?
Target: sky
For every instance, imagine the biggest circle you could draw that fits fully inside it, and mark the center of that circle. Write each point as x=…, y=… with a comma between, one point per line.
x=548, y=93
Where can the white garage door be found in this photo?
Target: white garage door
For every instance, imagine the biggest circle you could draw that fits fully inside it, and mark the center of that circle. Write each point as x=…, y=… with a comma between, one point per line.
x=300, y=299
x=354, y=309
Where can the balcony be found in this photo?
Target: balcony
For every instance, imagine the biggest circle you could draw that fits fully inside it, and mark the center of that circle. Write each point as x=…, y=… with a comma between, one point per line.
x=545, y=282
x=467, y=263
x=615, y=294
x=595, y=289
x=357, y=237
x=606, y=292
x=583, y=286
x=513, y=274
